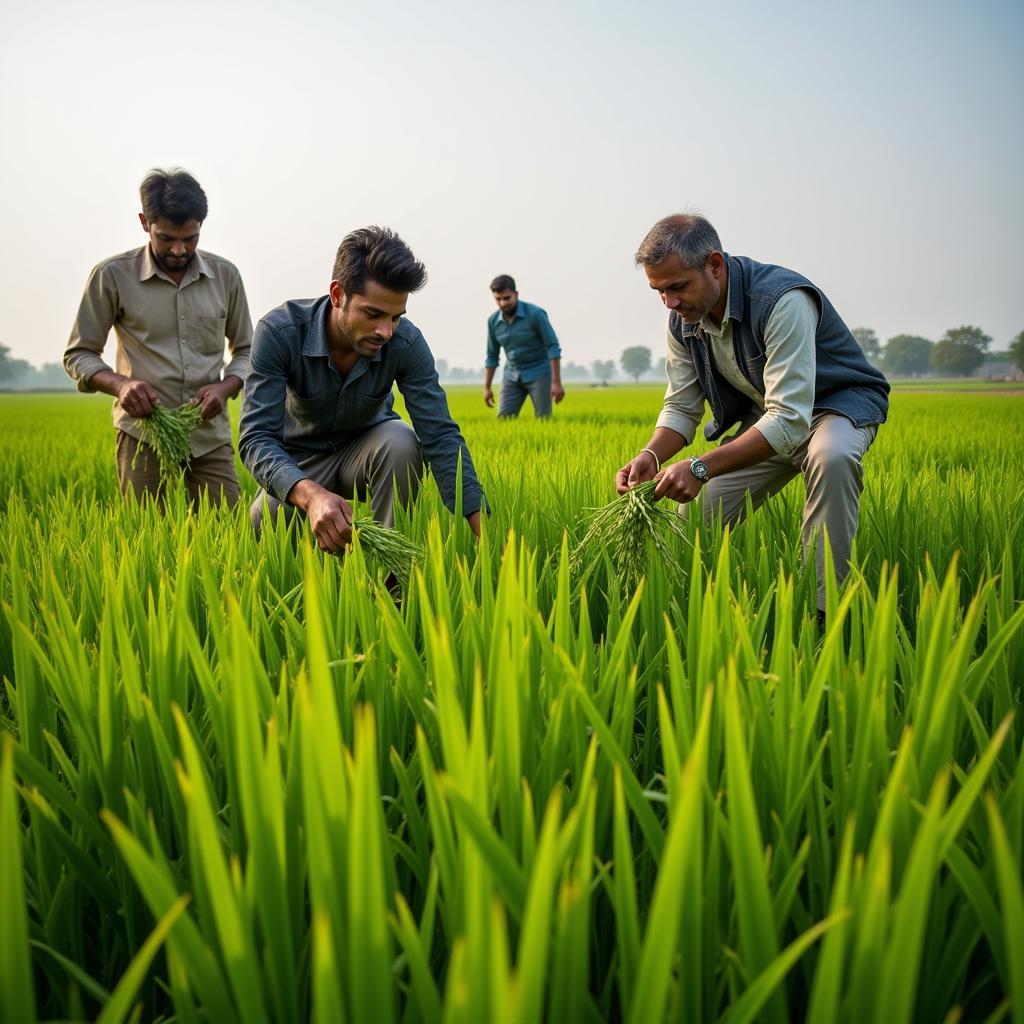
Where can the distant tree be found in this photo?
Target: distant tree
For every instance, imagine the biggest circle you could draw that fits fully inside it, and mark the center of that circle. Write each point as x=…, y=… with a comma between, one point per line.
x=13, y=371
x=1017, y=350
x=441, y=365
x=659, y=367
x=868, y=341
x=573, y=371
x=635, y=361
x=906, y=355
x=603, y=369
x=9, y=368
x=956, y=358
x=974, y=337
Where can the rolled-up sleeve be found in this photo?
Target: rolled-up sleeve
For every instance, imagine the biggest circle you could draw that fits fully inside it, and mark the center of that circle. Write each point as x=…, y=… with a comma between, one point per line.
x=96, y=315
x=493, y=348
x=261, y=429
x=789, y=371
x=683, y=407
x=547, y=335
x=444, y=447
x=238, y=330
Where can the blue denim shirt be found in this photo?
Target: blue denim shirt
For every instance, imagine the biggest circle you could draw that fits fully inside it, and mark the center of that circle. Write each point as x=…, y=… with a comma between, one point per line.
x=296, y=402
x=529, y=342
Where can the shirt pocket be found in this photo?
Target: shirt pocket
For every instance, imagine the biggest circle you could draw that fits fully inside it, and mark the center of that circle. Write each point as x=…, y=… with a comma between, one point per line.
x=372, y=403
x=307, y=412
x=209, y=335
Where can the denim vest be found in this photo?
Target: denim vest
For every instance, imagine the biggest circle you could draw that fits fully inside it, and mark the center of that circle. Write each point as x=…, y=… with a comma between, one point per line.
x=844, y=381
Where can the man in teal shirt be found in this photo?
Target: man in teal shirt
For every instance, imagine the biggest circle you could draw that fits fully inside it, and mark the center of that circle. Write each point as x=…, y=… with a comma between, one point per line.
x=532, y=355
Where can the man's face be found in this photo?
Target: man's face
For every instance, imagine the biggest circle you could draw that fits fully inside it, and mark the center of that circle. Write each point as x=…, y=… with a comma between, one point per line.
x=692, y=292
x=173, y=245
x=507, y=301
x=367, y=319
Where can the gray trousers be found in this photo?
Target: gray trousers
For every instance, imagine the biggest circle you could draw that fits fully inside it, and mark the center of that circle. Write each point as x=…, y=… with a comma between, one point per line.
x=515, y=392
x=830, y=461
x=385, y=459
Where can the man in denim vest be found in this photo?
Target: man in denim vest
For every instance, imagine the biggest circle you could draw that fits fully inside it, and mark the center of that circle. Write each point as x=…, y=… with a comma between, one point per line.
x=532, y=353
x=768, y=353
x=318, y=424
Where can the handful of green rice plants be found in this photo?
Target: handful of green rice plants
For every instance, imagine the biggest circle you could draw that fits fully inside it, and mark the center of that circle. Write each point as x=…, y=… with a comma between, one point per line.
x=621, y=530
x=393, y=551
x=167, y=432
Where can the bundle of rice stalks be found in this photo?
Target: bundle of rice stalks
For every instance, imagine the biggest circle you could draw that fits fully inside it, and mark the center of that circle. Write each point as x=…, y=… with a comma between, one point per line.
x=393, y=551
x=167, y=432
x=621, y=530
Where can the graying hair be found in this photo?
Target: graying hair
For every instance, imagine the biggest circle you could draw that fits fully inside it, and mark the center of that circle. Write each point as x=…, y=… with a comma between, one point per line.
x=690, y=237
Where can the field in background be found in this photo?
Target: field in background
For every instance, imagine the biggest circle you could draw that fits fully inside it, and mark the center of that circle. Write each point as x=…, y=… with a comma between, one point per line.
x=238, y=784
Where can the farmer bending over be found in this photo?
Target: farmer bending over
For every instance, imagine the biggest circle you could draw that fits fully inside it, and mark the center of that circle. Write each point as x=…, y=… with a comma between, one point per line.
x=768, y=353
x=317, y=420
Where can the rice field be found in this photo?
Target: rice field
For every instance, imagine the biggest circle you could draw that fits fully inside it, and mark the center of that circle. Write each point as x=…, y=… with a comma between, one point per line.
x=239, y=783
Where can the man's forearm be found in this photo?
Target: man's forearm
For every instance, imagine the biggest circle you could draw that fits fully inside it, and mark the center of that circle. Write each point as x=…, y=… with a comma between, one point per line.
x=665, y=443
x=488, y=376
x=556, y=371
x=232, y=385
x=303, y=492
x=108, y=382
x=747, y=450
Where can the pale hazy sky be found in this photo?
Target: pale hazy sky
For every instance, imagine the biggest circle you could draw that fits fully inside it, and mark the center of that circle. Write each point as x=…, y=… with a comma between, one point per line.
x=875, y=147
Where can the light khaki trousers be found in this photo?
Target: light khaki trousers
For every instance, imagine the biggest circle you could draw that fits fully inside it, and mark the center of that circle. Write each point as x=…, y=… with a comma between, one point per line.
x=830, y=461
x=213, y=472
x=385, y=459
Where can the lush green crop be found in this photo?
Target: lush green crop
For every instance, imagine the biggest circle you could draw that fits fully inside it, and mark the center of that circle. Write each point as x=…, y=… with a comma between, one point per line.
x=237, y=783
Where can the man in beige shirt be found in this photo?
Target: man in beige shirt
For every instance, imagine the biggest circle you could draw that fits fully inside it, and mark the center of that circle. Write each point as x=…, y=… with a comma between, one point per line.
x=171, y=307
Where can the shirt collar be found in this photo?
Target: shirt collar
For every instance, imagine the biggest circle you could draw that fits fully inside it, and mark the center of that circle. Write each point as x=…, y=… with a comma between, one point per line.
x=315, y=342
x=148, y=268
x=733, y=301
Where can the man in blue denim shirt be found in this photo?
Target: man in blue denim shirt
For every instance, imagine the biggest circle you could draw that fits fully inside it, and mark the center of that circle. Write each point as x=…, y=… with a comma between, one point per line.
x=532, y=355
x=317, y=420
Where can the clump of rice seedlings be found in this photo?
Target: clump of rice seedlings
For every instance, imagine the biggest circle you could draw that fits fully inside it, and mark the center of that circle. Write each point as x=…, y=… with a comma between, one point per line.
x=393, y=551
x=167, y=432
x=621, y=530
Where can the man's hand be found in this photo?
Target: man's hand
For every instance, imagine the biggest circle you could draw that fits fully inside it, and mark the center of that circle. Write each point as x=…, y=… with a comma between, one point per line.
x=474, y=523
x=488, y=396
x=636, y=471
x=137, y=398
x=329, y=514
x=557, y=391
x=678, y=482
x=212, y=399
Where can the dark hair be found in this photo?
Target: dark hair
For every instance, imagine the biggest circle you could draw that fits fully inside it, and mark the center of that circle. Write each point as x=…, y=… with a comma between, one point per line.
x=503, y=283
x=690, y=237
x=174, y=195
x=377, y=254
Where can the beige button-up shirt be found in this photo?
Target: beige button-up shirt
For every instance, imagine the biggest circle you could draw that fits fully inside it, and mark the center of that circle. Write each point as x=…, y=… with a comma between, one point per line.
x=169, y=335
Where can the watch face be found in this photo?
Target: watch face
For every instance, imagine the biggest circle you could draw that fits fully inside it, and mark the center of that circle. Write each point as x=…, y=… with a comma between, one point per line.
x=699, y=470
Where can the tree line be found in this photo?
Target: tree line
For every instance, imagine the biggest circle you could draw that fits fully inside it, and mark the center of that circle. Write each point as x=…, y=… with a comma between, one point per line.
x=959, y=353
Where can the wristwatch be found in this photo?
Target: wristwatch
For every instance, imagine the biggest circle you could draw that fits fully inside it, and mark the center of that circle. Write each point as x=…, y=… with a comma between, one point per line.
x=699, y=470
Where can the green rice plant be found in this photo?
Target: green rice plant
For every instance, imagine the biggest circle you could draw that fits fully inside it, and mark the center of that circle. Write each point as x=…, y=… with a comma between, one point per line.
x=390, y=549
x=167, y=432
x=238, y=781
x=620, y=531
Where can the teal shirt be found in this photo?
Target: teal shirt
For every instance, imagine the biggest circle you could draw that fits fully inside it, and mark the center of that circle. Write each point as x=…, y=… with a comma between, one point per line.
x=529, y=342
